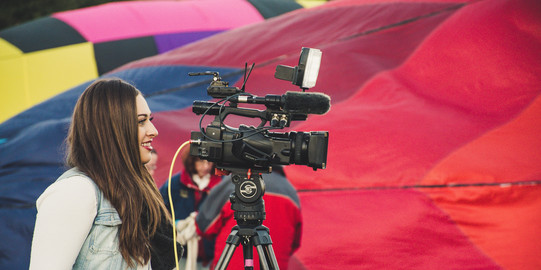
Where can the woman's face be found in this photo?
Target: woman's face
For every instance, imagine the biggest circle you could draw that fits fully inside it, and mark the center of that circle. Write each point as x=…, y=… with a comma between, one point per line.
x=147, y=131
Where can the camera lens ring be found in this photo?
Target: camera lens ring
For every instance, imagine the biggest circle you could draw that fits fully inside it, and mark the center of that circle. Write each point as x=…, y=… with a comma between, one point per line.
x=298, y=147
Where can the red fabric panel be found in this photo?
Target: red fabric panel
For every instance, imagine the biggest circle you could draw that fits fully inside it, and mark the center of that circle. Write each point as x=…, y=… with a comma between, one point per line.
x=341, y=75
x=375, y=124
x=501, y=221
x=382, y=229
x=453, y=89
x=509, y=152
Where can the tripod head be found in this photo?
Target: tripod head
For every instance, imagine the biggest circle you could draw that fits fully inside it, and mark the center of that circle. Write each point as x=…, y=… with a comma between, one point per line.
x=246, y=200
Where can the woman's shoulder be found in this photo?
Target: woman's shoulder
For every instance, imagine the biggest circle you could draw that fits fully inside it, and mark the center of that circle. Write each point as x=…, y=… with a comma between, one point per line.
x=77, y=182
x=77, y=188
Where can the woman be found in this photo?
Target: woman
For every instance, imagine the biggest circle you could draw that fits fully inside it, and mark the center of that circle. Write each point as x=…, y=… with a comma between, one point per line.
x=105, y=212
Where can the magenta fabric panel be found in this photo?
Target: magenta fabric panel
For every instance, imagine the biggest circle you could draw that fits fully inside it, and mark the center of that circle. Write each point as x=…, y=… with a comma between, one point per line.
x=123, y=20
x=319, y=27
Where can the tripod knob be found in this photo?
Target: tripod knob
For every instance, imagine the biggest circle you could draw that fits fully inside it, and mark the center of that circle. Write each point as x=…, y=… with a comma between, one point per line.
x=258, y=216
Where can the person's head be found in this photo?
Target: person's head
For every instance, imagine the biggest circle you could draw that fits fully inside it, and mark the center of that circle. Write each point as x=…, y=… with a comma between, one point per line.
x=197, y=166
x=111, y=120
x=203, y=167
x=110, y=140
x=152, y=164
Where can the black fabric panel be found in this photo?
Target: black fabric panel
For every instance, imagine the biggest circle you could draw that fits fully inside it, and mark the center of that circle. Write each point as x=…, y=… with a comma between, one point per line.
x=273, y=8
x=41, y=34
x=113, y=54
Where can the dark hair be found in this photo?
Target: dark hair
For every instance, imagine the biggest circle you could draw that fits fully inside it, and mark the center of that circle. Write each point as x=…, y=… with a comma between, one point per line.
x=189, y=163
x=103, y=143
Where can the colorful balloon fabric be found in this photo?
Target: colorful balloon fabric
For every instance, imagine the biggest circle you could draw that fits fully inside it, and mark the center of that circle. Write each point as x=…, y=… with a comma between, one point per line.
x=47, y=56
x=433, y=159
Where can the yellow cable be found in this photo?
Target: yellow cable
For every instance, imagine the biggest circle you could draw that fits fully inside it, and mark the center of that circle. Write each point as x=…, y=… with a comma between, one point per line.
x=171, y=202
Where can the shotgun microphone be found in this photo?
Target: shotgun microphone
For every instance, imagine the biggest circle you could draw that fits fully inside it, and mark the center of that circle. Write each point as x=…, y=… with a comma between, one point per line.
x=292, y=102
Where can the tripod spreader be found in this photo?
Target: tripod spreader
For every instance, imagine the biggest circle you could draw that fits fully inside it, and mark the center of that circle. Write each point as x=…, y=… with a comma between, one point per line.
x=249, y=237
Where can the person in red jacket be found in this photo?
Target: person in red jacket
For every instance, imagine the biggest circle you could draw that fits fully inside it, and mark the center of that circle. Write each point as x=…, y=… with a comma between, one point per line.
x=189, y=190
x=283, y=218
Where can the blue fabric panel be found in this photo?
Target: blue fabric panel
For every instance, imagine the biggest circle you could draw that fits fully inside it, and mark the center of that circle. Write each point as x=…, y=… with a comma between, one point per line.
x=166, y=88
x=16, y=230
x=32, y=146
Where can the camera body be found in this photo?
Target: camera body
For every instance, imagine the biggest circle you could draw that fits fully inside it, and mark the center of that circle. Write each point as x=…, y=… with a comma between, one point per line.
x=232, y=149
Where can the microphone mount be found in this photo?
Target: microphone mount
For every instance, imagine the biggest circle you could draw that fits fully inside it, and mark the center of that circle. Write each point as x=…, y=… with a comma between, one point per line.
x=218, y=88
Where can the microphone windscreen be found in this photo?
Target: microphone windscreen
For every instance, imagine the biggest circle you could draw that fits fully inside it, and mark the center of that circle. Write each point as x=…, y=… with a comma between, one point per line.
x=306, y=103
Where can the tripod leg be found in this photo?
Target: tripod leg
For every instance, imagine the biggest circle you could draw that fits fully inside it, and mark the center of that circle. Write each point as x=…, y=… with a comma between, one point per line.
x=232, y=243
x=263, y=260
x=270, y=257
x=225, y=257
x=263, y=243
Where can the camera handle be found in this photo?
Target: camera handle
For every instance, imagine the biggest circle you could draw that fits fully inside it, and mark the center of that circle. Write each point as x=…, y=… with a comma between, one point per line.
x=249, y=212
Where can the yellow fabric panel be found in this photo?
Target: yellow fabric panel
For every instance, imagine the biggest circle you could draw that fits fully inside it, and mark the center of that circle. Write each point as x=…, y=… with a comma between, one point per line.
x=38, y=76
x=310, y=3
x=13, y=96
x=11, y=77
x=8, y=50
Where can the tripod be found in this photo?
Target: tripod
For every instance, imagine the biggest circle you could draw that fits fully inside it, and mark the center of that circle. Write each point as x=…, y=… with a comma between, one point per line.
x=249, y=212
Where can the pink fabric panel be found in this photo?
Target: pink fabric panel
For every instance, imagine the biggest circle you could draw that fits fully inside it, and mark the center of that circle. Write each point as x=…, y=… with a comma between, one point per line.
x=123, y=20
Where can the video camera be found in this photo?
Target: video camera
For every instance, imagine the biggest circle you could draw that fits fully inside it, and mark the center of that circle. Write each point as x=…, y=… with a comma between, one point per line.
x=256, y=148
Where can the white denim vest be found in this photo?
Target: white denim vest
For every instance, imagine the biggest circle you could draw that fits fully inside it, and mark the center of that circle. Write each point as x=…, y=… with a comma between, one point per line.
x=100, y=249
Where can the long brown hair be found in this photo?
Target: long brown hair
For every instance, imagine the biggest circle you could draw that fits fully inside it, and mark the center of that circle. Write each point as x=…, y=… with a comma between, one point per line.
x=103, y=143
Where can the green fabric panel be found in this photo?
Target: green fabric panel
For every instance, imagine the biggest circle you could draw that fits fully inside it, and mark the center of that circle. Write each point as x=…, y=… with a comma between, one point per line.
x=273, y=8
x=41, y=34
x=113, y=54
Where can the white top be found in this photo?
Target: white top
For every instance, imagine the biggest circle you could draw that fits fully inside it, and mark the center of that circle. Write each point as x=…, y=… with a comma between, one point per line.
x=66, y=212
x=202, y=182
